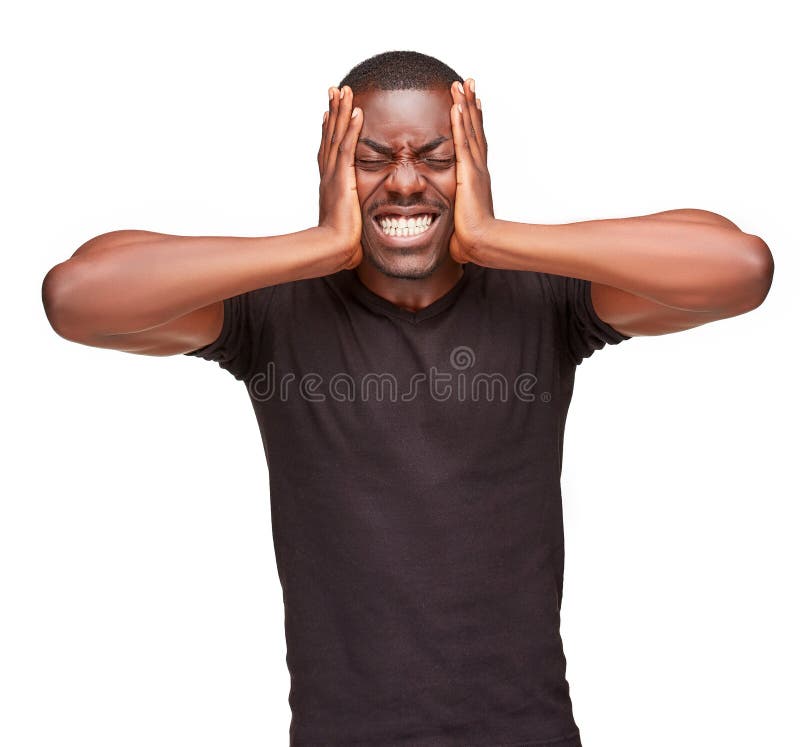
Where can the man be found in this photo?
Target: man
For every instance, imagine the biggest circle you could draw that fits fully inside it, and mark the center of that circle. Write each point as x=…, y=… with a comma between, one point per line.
x=410, y=362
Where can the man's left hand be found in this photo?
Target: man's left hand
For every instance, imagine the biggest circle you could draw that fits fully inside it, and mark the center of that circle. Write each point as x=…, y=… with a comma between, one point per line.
x=474, y=211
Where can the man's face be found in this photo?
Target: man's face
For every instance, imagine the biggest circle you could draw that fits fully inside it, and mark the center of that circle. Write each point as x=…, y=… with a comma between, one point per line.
x=405, y=165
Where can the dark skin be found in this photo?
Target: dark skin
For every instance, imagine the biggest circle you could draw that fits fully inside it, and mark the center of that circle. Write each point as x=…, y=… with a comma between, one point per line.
x=158, y=294
x=404, y=158
x=402, y=176
x=650, y=274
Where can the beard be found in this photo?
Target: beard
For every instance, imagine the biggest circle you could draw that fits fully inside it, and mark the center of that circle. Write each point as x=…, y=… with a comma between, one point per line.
x=407, y=263
x=404, y=266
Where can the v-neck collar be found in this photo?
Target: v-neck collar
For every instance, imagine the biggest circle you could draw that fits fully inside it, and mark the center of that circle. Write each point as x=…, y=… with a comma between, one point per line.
x=379, y=303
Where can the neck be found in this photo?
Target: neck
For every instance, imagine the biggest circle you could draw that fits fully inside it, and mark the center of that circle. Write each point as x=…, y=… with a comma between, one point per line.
x=408, y=291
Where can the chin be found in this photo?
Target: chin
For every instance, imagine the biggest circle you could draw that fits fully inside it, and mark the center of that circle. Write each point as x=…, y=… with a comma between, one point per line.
x=407, y=266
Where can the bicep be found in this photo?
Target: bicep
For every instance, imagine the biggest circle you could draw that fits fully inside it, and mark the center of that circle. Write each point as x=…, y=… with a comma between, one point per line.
x=180, y=335
x=634, y=315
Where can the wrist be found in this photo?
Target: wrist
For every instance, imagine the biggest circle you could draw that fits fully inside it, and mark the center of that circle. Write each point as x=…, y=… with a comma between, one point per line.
x=485, y=238
x=340, y=251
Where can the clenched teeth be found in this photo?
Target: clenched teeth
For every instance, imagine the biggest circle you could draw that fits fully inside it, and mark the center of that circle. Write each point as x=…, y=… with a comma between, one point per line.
x=401, y=225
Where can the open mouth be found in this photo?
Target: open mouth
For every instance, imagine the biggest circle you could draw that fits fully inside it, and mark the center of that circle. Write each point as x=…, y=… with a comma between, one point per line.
x=405, y=228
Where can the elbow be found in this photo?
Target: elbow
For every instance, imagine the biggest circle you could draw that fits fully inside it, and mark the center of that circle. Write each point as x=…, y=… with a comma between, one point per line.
x=51, y=296
x=76, y=292
x=761, y=268
x=741, y=283
x=57, y=299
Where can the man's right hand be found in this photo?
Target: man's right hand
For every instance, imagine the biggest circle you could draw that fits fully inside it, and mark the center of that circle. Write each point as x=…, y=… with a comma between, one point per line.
x=339, y=208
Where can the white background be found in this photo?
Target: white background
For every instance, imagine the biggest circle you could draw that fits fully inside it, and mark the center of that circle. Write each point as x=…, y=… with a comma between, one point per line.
x=140, y=600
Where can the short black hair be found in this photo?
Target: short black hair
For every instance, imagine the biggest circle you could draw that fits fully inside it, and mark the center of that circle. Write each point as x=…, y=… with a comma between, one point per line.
x=400, y=70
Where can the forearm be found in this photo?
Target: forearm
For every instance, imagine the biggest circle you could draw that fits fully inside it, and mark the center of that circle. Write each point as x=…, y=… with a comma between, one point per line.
x=686, y=261
x=129, y=281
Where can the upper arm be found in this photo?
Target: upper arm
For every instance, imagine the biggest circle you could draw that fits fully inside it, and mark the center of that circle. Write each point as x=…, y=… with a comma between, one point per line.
x=115, y=239
x=694, y=215
x=180, y=335
x=633, y=315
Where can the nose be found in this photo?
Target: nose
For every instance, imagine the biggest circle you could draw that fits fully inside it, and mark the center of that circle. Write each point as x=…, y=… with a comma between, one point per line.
x=405, y=178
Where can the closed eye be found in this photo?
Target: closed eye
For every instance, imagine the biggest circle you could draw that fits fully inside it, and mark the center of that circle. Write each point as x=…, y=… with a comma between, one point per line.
x=377, y=163
x=439, y=161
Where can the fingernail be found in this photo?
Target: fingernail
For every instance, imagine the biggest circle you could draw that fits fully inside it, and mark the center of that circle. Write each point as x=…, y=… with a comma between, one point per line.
x=472, y=85
x=341, y=93
x=355, y=111
x=460, y=87
x=460, y=109
x=478, y=103
x=330, y=94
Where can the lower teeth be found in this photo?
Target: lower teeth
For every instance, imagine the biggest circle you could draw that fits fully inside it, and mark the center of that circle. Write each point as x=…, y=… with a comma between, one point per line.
x=405, y=231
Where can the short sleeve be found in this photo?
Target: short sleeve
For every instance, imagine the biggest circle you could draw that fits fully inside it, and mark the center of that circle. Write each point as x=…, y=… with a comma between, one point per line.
x=244, y=334
x=582, y=330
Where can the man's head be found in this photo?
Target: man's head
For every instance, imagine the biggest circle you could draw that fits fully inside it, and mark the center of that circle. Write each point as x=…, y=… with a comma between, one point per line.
x=405, y=160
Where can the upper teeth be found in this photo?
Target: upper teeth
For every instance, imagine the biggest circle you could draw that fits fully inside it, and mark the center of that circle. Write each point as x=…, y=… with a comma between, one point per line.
x=401, y=225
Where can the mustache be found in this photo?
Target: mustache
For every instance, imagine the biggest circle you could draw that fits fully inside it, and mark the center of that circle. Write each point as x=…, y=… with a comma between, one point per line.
x=434, y=206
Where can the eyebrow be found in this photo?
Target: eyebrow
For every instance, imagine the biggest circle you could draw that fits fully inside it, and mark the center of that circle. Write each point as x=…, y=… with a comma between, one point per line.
x=386, y=150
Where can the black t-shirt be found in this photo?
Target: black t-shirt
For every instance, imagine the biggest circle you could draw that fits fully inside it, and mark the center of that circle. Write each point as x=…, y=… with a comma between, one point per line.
x=414, y=470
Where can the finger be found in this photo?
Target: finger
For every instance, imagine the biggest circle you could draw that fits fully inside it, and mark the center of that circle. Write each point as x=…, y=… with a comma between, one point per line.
x=475, y=113
x=321, y=151
x=469, y=112
x=464, y=119
x=463, y=153
x=344, y=109
x=347, y=148
x=333, y=107
x=479, y=107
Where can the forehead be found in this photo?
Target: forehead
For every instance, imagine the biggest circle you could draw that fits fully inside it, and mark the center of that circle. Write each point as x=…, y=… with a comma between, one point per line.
x=393, y=116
